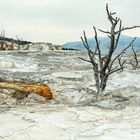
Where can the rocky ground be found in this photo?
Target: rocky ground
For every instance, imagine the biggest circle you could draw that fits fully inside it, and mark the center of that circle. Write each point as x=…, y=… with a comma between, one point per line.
x=71, y=115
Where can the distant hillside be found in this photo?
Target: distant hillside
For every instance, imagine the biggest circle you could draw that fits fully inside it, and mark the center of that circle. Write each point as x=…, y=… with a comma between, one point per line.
x=13, y=44
x=40, y=46
x=104, y=42
x=20, y=42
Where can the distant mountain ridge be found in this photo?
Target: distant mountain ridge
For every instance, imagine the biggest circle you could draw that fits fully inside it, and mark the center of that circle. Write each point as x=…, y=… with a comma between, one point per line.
x=104, y=43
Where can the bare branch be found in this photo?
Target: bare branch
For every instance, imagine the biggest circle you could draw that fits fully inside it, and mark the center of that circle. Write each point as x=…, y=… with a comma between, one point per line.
x=106, y=32
x=121, y=63
x=84, y=59
x=134, y=64
x=109, y=36
x=90, y=53
x=123, y=51
x=108, y=13
x=118, y=36
x=127, y=28
x=110, y=70
x=97, y=43
x=115, y=70
x=137, y=50
x=86, y=45
x=113, y=13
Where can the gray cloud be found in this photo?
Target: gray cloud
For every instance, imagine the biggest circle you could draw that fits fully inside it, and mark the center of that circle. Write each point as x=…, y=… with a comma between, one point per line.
x=62, y=20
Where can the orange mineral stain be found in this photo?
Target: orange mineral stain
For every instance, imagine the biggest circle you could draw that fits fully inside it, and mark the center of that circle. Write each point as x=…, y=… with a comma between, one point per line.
x=42, y=90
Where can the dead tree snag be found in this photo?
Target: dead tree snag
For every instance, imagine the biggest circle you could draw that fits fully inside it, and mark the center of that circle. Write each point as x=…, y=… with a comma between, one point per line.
x=103, y=65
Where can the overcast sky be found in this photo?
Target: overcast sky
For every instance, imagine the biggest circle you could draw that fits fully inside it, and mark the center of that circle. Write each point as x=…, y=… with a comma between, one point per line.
x=60, y=21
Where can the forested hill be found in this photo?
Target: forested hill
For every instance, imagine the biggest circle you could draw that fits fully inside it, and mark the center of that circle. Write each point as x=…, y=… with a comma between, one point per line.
x=20, y=42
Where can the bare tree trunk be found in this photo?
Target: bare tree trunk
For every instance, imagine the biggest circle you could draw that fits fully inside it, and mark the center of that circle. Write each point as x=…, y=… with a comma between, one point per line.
x=104, y=79
x=100, y=80
x=97, y=82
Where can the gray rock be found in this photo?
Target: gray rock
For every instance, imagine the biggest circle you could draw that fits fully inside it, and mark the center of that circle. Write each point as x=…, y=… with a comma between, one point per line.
x=75, y=96
x=34, y=98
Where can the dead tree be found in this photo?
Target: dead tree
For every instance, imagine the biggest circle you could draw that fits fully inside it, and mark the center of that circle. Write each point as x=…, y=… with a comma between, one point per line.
x=103, y=65
x=18, y=42
x=2, y=39
x=135, y=62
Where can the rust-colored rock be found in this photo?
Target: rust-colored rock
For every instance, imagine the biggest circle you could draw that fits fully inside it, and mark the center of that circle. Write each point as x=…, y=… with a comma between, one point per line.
x=42, y=90
x=25, y=89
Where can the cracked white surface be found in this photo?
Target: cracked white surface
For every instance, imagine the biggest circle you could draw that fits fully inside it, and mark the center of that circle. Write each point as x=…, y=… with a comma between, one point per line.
x=70, y=123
